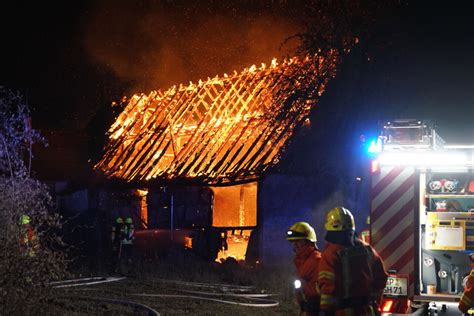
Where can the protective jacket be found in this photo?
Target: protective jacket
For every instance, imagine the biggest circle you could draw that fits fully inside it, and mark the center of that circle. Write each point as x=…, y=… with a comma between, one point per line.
x=129, y=234
x=365, y=236
x=307, y=261
x=118, y=234
x=351, y=279
x=467, y=298
x=28, y=241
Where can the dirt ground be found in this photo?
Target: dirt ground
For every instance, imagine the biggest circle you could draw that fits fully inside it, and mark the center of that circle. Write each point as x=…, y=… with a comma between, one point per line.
x=182, y=285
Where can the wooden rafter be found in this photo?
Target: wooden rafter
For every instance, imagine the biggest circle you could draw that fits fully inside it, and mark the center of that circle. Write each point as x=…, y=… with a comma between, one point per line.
x=221, y=130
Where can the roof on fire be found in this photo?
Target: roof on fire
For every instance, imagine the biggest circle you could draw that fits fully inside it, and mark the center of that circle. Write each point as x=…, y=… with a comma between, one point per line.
x=223, y=130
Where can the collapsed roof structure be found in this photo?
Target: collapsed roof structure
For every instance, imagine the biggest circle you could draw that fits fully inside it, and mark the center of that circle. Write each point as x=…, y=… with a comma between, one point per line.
x=222, y=130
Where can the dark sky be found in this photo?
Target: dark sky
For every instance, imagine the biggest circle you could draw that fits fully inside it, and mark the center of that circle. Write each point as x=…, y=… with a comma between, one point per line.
x=71, y=59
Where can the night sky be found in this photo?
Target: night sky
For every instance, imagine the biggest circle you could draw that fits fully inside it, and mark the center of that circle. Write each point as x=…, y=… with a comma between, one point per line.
x=72, y=59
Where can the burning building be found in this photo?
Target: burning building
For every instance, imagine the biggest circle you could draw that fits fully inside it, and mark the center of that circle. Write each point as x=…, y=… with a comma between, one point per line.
x=201, y=150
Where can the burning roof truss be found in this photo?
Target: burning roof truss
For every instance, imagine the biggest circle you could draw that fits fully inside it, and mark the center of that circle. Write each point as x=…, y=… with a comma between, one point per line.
x=221, y=130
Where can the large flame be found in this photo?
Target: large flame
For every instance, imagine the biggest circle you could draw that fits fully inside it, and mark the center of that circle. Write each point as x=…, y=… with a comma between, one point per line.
x=219, y=130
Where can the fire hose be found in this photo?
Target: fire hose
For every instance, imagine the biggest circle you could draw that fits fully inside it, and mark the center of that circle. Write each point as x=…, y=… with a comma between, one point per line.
x=80, y=282
x=101, y=280
x=228, y=290
x=259, y=299
x=261, y=302
x=209, y=285
x=227, y=294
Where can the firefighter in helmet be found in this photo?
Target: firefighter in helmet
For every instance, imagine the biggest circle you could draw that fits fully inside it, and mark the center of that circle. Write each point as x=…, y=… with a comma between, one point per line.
x=127, y=241
x=351, y=273
x=467, y=298
x=28, y=240
x=365, y=233
x=307, y=258
x=118, y=233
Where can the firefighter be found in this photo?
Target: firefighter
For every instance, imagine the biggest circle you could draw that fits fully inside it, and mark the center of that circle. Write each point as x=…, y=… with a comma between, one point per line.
x=307, y=258
x=127, y=241
x=365, y=233
x=351, y=273
x=467, y=298
x=118, y=233
x=28, y=240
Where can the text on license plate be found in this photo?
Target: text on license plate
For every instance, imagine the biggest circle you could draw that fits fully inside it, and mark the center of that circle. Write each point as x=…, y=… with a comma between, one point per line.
x=396, y=286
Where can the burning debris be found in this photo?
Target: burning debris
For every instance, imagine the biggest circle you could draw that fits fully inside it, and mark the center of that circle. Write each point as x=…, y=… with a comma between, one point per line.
x=221, y=130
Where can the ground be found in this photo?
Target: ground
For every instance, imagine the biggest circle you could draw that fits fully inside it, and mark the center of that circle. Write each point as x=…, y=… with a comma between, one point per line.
x=186, y=284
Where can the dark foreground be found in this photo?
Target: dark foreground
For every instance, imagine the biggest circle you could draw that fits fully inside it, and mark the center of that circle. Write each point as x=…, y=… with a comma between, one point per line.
x=179, y=285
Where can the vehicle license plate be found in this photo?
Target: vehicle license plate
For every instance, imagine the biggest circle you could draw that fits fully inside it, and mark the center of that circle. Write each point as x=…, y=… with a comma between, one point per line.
x=396, y=286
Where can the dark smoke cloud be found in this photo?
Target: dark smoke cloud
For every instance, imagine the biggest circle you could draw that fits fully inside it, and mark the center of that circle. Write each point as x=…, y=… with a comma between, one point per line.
x=153, y=45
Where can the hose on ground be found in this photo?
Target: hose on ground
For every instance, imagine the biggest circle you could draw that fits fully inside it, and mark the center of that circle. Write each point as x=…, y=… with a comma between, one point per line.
x=228, y=290
x=262, y=303
x=211, y=285
x=79, y=282
x=256, y=295
x=259, y=299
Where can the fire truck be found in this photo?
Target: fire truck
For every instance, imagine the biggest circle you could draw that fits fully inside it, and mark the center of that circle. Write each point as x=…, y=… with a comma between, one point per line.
x=422, y=216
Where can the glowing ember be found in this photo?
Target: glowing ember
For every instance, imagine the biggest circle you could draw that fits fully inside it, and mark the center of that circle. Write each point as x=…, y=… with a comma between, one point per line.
x=236, y=246
x=143, y=206
x=220, y=130
x=235, y=206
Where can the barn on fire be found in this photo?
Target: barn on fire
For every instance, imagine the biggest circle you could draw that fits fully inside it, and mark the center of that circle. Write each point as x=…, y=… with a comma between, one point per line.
x=197, y=154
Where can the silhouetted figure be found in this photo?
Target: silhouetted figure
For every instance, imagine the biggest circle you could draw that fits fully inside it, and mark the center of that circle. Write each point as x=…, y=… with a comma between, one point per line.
x=117, y=234
x=352, y=276
x=307, y=258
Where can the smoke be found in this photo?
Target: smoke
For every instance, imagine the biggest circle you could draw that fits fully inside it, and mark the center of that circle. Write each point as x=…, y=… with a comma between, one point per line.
x=319, y=214
x=337, y=198
x=158, y=44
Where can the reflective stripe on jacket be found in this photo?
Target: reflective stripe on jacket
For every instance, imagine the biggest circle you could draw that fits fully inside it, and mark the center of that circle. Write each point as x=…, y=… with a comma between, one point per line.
x=129, y=234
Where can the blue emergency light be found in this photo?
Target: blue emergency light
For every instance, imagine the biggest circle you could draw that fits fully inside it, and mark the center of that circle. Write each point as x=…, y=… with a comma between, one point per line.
x=375, y=146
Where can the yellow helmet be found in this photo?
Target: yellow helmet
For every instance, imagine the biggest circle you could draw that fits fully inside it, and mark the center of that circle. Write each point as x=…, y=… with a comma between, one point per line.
x=339, y=219
x=301, y=230
x=24, y=219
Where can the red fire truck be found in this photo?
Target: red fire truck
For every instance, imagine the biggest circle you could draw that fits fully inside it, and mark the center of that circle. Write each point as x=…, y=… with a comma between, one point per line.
x=422, y=217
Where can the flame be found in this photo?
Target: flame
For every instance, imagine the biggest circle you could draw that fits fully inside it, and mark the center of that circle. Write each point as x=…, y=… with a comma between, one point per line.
x=236, y=247
x=274, y=63
x=215, y=130
x=142, y=193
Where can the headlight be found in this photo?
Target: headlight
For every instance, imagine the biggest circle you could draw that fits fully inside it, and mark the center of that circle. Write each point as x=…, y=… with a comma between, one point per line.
x=297, y=284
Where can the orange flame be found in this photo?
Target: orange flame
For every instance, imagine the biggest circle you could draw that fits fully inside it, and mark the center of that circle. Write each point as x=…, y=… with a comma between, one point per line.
x=217, y=130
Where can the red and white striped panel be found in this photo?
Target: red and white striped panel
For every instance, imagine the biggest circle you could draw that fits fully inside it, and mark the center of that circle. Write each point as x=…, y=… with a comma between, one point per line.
x=393, y=218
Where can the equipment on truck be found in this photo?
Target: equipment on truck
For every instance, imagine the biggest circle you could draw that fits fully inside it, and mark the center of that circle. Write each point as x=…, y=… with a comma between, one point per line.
x=422, y=215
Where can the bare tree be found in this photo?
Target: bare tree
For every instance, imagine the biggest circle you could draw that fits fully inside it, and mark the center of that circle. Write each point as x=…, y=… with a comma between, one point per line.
x=31, y=256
